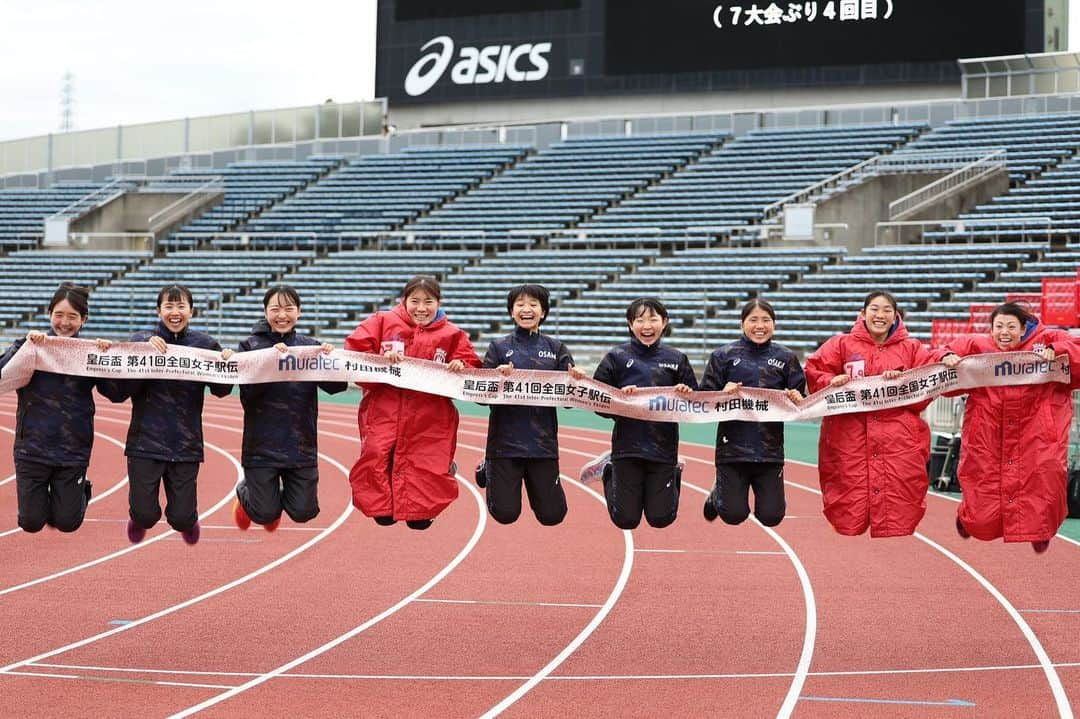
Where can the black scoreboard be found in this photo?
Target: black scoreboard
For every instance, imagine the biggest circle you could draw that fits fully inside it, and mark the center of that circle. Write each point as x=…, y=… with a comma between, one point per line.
x=484, y=49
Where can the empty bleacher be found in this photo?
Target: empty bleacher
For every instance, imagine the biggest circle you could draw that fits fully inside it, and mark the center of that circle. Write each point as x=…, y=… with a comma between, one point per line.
x=490, y=200
x=561, y=186
x=23, y=211
x=129, y=304
x=379, y=193
x=250, y=188
x=731, y=186
x=1042, y=168
x=338, y=290
x=476, y=297
x=694, y=285
x=28, y=279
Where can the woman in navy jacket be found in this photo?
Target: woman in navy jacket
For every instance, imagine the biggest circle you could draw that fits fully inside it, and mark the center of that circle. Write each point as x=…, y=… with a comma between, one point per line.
x=165, y=439
x=281, y=446
x=523, y=442
x=55, y=426
x=643, y=474
x=751, y=454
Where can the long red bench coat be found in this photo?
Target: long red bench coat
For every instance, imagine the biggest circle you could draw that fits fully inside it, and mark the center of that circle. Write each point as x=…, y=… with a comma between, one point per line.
x=872, y=465
x=1014, y=446
x=407, y=438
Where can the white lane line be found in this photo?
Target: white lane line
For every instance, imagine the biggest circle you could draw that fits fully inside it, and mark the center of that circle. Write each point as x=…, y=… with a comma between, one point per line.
x=598, y=618
x=134, y=547
x=802, y=669
x=481, y=523
x=707, y=551
x=810, y=633
x=120, y=680
x=1061, y=699
x=509, y=604
x=202, y=597
x=616, y=592
x=558, y=678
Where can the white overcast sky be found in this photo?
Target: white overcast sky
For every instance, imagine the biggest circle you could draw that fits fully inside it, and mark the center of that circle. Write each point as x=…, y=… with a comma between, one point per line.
x=141, y=60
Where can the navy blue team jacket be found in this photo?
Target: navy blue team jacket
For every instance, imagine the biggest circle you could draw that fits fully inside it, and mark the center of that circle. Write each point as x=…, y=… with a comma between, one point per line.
x=55, y=419
x=517, y=431
x=655, y=365
x=166, y=416
x=769, y=366
x=281, y=418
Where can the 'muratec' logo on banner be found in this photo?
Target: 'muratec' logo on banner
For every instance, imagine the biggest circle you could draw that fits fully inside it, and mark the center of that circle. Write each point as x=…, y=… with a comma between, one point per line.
x=477, y=66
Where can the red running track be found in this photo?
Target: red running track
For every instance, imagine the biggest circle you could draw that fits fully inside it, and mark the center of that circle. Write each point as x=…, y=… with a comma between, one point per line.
x=342, y=617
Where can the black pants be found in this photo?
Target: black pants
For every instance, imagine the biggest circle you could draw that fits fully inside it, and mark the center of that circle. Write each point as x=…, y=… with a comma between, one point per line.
x=145, y=476
x=731, y=499
x=51, y=495
x=541, y=477
x=266, y=491
x=634, y=486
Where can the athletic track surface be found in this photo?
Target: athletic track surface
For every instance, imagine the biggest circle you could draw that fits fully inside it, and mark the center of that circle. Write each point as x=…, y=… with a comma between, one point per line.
x=341, y=617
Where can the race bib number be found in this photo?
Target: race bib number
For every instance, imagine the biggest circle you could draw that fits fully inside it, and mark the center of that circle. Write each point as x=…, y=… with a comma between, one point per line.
x=855, y=369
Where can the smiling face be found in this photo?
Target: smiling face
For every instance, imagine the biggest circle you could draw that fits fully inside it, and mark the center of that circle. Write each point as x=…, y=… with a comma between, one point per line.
x=65, y=319
x=1006, y=332
x=175, y=313
x=527, y=313
x=648, y=327
x=758, y=326
x=879, y=315
x=282, y=313
x=421, y=307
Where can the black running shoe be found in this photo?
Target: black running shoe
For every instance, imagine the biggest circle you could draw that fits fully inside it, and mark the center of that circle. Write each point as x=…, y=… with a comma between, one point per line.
x=384, y=521
x=418, y=524
x=710, y=510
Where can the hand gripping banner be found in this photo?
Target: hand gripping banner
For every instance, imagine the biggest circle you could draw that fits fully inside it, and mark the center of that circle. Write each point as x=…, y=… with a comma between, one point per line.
x=527, y=387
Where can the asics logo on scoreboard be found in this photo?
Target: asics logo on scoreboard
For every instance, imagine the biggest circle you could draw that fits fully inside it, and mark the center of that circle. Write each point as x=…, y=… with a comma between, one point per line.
x=476, y=65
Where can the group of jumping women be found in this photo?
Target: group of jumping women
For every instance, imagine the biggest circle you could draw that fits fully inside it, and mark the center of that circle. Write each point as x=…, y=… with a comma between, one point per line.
x=872, y=465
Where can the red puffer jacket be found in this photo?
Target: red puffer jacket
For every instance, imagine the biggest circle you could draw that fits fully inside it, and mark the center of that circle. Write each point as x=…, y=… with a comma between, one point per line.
x=1014, y=446
x=872, y=465
x=407, y=438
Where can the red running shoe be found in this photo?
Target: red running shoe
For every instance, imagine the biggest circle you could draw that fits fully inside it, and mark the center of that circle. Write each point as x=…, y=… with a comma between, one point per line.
x=1041, y=546
x=240, y=516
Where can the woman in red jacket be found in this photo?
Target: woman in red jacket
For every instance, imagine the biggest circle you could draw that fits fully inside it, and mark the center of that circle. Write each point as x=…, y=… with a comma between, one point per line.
x=408, y=438
x=1015, y=439
x=872, y=465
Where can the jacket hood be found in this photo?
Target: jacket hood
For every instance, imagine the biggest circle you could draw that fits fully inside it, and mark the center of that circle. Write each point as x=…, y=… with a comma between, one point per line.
x=751, y=344
x=440, y=317
x=262, y=327
x=1029, y=329
x=166, y=333
x=897, y=333
x=640, y=346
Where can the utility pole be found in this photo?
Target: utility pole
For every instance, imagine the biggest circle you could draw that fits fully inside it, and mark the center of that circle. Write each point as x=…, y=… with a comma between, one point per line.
x=67, y=103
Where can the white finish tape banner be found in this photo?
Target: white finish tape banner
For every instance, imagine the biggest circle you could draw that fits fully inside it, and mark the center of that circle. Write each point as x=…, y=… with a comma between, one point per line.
x=545, y=389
